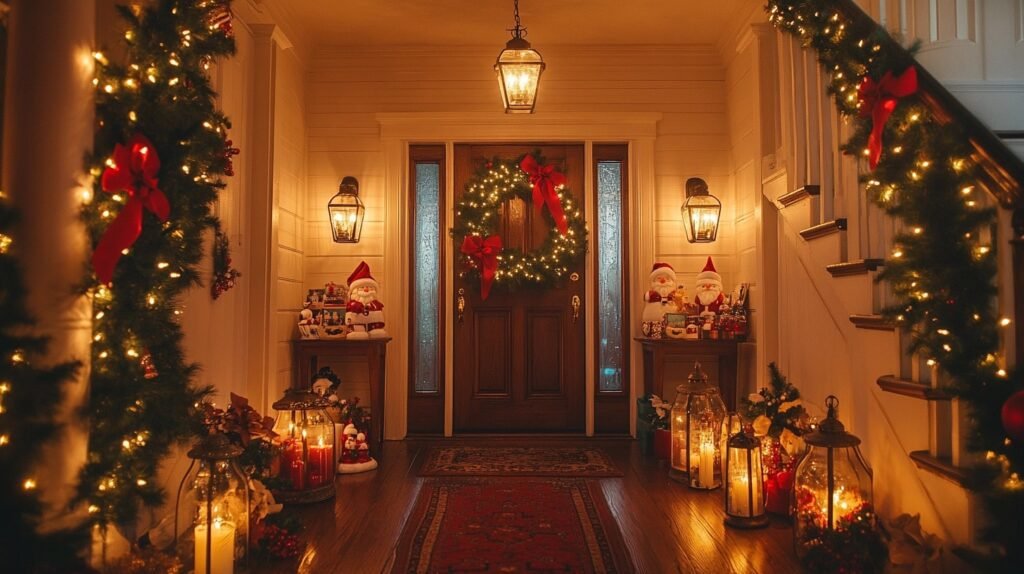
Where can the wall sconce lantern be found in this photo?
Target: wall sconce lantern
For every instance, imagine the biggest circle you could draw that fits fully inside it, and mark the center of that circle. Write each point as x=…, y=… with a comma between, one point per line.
x=346, y=212
x=701, y=211
x=519, y=68
x=698, y=414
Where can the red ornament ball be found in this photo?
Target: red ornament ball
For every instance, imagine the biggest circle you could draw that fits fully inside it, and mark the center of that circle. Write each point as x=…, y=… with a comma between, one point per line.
x=1013, y=416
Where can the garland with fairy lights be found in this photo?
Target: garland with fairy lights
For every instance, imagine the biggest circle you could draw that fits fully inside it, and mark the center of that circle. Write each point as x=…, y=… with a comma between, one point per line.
x=159, y=153
x=943, y=267
x=29, y=401
x=477, y=218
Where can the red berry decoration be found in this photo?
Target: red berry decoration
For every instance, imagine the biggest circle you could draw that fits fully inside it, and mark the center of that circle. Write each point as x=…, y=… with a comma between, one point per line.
x=1013, y=416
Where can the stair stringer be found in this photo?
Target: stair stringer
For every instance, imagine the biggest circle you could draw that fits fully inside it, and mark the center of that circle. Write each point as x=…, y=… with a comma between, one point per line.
x=824, y=354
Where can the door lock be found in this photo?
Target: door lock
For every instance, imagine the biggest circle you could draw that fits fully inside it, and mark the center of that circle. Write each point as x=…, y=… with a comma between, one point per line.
x=460, y=303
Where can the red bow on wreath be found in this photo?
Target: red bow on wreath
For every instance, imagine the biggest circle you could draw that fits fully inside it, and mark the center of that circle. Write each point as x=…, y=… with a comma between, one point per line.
x=484, y=253
x=545, y=180
x=132, y=170
x=878, y=100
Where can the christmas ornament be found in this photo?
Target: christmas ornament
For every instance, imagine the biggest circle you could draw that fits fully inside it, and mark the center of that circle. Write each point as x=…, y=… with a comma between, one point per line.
x=132, y=170
x=546, y=182
x=148, y=368
x=878, y=100
x=484, y=253
x=1013, y=416
x=220, y=19
x=496, y=182
x=224, y=274
x=229, y=151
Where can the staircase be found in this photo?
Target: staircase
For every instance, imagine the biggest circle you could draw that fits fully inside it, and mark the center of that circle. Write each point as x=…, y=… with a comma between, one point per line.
x=833, y=338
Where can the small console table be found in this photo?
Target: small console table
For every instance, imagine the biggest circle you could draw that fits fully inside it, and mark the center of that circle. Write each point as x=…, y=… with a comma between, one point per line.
x=308, y=354
x=656, y=351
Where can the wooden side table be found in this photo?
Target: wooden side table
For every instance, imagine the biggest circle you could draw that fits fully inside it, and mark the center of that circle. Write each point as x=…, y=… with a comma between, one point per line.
x=308, y=354
x=657, y=351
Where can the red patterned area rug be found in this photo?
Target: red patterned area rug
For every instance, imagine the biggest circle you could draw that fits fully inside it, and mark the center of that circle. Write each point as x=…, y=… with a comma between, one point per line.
x=516, y=461
x=511, y=525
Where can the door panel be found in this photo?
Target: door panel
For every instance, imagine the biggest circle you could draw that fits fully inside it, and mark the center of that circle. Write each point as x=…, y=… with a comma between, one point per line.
x=518, y=360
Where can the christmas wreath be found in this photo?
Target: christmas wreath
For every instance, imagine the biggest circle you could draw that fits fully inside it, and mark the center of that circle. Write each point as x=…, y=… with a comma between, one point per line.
x=476, y=218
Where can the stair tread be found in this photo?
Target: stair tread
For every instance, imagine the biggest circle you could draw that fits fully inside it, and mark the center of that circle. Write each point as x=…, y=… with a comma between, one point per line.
x=824, y=229
x=875, y=322
x=911, y=388
x=799, y=193
x=941, y=466
x=859, y=267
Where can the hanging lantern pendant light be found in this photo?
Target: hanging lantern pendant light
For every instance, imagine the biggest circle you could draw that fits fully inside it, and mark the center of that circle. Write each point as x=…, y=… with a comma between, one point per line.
x=519, y=68
x=701, y=212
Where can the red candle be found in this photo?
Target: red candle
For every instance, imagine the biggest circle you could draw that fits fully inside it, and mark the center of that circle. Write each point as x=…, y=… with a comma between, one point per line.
x=293, y=464
x=321, y=463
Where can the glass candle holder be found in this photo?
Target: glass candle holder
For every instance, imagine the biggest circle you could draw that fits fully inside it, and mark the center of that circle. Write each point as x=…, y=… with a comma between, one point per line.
x=307, y=448
x=697, y=418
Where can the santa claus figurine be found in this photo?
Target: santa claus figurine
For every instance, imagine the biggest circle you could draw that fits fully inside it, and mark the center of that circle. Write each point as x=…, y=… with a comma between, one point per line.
x=364, y=313
x=709, y=297
x=658, y=300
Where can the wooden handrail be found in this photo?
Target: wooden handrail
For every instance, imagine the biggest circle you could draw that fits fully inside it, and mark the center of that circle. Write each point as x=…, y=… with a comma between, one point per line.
x=1002, y=172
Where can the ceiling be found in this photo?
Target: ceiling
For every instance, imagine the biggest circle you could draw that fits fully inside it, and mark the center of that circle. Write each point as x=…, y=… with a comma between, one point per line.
x=474, y=22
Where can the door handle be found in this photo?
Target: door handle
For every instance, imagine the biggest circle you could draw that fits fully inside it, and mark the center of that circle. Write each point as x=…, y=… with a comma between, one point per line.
x=575, y=308
x=460, y=303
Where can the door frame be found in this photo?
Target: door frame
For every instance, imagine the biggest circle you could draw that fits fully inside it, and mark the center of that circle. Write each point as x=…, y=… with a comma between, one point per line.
x=399, y=130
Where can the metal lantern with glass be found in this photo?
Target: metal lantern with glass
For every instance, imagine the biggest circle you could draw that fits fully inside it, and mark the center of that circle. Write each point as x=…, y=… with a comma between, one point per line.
x=701, y=212
x=519, y=68
x=832, y=487
x=744, y=481
x=698, y=415
x=346, y=212
x=214, y=497
x=307, y=447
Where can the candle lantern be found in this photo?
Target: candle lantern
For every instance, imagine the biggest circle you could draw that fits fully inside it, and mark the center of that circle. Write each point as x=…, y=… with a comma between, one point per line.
x=744, y=481
x=307, y=447
x=697, y=422
x=832, y=486
x=214, y=497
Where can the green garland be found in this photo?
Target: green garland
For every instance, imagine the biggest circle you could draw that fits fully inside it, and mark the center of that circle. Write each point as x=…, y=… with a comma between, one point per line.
x=143, y=396
x=943, y=267
x=477, y=213
x=29, y=400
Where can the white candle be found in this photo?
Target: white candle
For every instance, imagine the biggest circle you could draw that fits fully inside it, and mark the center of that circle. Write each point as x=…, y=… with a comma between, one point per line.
x=706, y=470
x=222, y=548
x=738, y=500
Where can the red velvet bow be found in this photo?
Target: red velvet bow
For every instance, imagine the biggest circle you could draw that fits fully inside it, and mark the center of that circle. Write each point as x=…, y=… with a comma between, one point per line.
x=133, y=170
x=484, y=253
x=878, y=100
x=545, y=180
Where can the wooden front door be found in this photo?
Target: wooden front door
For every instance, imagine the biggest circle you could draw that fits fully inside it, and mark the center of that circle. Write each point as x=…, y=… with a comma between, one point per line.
x=519, y=357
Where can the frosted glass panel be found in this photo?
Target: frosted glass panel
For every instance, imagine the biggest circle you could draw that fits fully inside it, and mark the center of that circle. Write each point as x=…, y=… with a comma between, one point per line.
x=609, y=276
x=426, y=247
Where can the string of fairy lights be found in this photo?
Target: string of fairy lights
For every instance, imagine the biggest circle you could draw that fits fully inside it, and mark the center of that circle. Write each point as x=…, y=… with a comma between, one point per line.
x=478, y=213
x=942, y=267
x=142, y=391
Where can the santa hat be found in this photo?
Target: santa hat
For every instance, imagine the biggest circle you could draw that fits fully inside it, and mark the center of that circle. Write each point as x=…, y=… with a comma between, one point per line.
x=361, y=276
x=662, y=269
x=709, y=275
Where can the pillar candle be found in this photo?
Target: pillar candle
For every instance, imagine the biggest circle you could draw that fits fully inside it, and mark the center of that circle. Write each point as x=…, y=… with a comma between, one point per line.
x=222, y=548
x=739, y=503
x=321, y=463
x=706, y=471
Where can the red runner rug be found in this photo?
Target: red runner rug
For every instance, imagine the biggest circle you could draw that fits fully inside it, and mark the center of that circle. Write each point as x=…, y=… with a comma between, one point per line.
x=507, y=525
x=516, y=461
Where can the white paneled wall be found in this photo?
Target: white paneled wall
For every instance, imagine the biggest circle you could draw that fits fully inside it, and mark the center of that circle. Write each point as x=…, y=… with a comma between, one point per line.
x=348, y=86
x=289, y=183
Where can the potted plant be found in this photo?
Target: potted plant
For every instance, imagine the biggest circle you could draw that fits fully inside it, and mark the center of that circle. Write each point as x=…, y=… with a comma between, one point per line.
x=652, y=425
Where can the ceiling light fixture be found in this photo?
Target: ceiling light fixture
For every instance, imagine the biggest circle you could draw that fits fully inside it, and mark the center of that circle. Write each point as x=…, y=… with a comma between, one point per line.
x=519, y=68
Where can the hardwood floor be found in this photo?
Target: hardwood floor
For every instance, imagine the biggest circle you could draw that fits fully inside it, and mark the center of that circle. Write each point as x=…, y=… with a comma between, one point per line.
x=667, y=526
